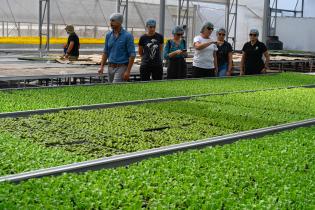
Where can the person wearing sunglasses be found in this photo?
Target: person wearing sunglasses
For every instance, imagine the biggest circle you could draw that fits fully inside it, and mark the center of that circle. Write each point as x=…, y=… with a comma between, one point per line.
x=175, y=52
x=252, y=58
x=150, y=50
x=224, y=54
x=205, y=57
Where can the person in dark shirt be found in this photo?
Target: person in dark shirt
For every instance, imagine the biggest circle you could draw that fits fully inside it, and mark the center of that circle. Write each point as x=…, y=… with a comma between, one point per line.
x=224, y=54
x=150, y=50
x=252, y=58
x=72, y=47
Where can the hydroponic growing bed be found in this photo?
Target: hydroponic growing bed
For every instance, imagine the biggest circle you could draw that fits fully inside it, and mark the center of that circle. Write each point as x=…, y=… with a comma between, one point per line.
x=19, y=100
x=274, y=172
x=85, y=135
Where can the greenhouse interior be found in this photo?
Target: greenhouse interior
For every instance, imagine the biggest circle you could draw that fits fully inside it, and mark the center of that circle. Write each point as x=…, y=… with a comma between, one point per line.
x=157, y=104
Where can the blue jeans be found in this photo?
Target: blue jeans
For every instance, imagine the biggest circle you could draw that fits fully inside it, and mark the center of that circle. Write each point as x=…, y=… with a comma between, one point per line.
x=222, y=70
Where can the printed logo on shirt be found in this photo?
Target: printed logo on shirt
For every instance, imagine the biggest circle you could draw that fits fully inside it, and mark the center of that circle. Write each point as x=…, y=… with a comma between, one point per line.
x=257, y=48
x=153, y=47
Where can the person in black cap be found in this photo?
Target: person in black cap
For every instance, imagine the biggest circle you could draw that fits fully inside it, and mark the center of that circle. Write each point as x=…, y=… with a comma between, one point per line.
x=150, y=50
x=71, y=49
x=252, y=58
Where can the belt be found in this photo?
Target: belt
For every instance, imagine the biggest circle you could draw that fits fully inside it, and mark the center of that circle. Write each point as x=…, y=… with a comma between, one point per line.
x=117, y=65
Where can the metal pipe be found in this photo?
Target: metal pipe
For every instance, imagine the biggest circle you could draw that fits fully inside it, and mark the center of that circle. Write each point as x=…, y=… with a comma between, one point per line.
x=266, y=21
x=179, y=8
x=118, y=3
x=276, y=17
x=126, y=14
x=3, y=28
x=187, y=23
x=19, y=29
x=193, y=25
x=40, y=27
x=227, y=20
x=162, y=17
x=48, y=25
x=235, y=27
x=302, y=9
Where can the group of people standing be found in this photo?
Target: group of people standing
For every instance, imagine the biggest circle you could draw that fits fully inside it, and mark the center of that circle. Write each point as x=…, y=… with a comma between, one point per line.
x=212, y=57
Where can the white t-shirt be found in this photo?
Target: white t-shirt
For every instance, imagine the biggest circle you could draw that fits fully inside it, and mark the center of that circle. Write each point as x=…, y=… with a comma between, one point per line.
x=204, y=58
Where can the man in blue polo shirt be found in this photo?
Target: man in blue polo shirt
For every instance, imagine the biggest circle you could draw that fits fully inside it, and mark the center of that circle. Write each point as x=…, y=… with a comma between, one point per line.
x=119, y=50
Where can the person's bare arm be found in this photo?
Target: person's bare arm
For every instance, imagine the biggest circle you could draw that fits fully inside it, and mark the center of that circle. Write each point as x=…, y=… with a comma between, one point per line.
x=267, y=56
x=173, y=54
x=230, y=64
x=161, y=49
x=129, y=67
x=216, y=70
x=201, y=46
x=103, y=62
x=242, y=64
x=70, y=47
x=140, y=49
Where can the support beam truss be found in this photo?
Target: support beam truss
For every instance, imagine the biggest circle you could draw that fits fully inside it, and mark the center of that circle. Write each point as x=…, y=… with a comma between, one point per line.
x=122, y=7
x=44, y=13
x=183, y=16
x=231, y=21
x=275, y=12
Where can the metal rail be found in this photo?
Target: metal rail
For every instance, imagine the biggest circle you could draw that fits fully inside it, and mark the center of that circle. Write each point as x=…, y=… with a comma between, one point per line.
x=57, y=76
x=121, y=83
x=126, y=159
x=136, y=102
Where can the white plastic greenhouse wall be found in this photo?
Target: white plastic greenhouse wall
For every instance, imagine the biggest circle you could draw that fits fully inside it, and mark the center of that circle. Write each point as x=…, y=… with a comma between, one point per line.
x=297, y=33
x=91, y=13
x=91, y=17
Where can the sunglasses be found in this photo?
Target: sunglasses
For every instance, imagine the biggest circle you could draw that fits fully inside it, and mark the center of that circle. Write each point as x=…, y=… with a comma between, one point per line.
x=221, y=34
x=252, y=34
x=151, y=26
x=209, y=28
x=179, y=34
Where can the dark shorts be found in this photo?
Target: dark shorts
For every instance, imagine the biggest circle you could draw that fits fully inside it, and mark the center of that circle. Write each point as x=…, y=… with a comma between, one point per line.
x=146, y=71
x=200, y=72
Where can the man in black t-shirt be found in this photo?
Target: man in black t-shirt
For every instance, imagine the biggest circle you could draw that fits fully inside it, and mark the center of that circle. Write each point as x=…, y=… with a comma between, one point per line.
x=253, y=51
x=150, y=50
x=224, y=54
x=71, y=50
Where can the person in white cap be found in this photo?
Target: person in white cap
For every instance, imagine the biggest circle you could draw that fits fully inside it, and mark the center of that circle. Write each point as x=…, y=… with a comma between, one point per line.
x=205, y=57
x=119, y=50
x=252, y=57
x=150, y=50
x=71, y=49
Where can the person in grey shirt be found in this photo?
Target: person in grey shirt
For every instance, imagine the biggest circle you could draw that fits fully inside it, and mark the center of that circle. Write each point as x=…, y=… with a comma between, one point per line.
x=119, y=50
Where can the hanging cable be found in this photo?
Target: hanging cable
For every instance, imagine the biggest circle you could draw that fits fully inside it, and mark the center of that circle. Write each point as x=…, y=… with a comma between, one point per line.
x=102, y=11
x=60, y=13
x=87, y=12
x=11, y=12
x=4, y=13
